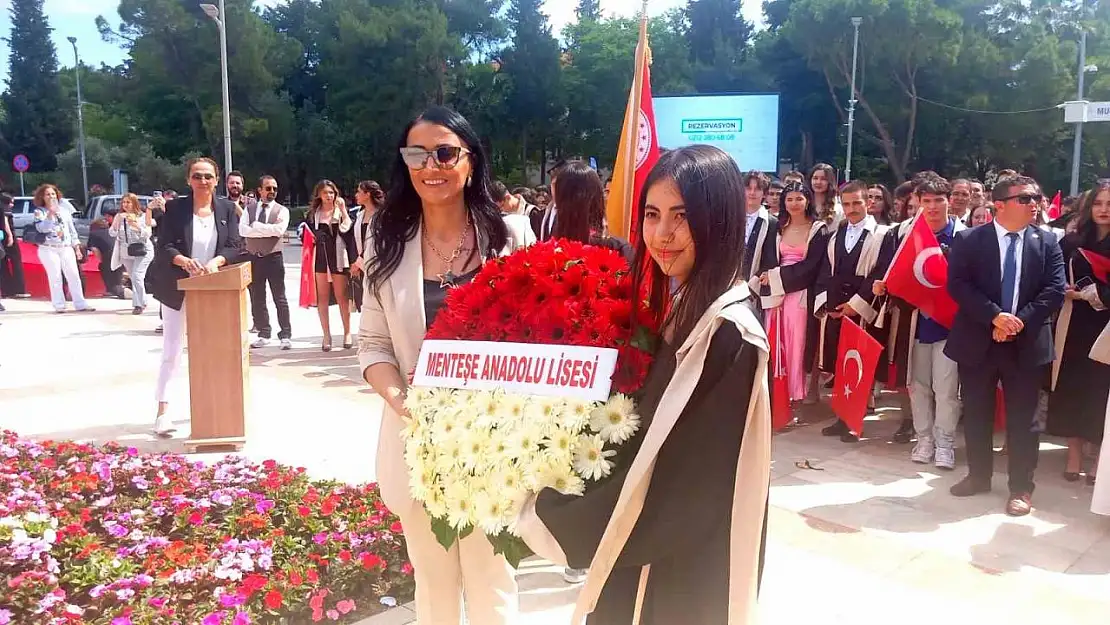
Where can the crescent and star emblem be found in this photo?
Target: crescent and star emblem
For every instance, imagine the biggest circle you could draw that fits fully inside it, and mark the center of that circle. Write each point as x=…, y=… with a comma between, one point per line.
x=919, y=266
x=853, y=354
x=643, y=139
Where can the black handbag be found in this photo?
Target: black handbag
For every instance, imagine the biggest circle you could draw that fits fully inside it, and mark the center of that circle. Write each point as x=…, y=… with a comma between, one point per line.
x=133, y=249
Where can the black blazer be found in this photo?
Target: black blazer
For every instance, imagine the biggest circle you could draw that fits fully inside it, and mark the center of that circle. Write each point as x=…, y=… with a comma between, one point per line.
x=770, y=255
x=975, y=282
x=175, y=237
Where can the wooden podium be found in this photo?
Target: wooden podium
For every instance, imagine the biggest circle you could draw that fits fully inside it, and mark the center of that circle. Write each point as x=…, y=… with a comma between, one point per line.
x=217, y=329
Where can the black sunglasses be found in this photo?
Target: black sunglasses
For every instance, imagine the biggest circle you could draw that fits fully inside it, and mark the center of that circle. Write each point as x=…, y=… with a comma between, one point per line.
x=446, y=156
x=1025, y=198
x=269, y=188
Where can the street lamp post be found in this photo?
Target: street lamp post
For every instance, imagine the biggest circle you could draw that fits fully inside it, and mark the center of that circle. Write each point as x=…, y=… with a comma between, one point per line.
x=856, y=21
x=220, y=17
x=1077, y=148
x=80, y=121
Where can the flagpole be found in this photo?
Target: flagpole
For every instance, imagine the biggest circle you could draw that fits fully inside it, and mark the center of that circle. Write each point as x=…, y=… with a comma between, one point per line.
x=634, y=125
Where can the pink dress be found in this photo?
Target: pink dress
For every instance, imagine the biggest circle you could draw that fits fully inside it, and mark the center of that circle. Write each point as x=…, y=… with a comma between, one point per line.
x=794, y=317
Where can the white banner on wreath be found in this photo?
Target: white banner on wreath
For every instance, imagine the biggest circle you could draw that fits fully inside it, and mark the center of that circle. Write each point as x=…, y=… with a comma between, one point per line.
x=550, y=370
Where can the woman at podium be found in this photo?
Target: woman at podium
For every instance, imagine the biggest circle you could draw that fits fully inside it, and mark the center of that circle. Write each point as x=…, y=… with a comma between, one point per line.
x=198, y=235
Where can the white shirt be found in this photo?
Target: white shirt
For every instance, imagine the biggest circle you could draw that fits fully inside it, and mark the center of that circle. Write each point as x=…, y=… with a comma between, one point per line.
x=204, y=238
x=749, y=223
x=261, y=229
x=548, y=221
x=854, y=233
x=1003, y=245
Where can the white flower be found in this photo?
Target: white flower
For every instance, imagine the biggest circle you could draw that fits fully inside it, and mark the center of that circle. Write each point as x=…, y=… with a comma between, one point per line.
x=492, y=512
x=440, y=398
x=591, y=460
x=511, y=409
x=422, y=480
x=559, y=446
x=445, y=427
x=449, y=456
x=435, y=503
x=508, y=480
x=562, y=478
x=485, y=405
x=460, y=505
x=615, y=421
x=474, y=449
x=524, y=440
x=575, y=414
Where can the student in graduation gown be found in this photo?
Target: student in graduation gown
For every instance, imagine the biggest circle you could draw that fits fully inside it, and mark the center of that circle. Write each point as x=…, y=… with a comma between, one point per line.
x=760, y=229
x=688, y=494
x=788, y=289
x=1080, y=385
x=851, y=253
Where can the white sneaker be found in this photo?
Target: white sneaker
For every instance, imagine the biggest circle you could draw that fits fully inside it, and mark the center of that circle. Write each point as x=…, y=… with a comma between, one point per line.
x=574, y=576
x=261, y=342
x=163, y=426
x=946, y=458
x=286, y=344
x=922, y=452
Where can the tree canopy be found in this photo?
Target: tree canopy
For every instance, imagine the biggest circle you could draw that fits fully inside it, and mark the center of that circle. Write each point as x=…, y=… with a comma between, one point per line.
x=321, y=89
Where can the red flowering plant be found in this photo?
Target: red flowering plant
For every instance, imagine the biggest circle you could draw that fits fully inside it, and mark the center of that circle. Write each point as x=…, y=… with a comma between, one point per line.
x=106, y=535
x=477, y=452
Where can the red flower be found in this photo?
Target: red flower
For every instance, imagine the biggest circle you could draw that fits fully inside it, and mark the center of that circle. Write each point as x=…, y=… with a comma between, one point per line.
x=295, y=578
x=554, y=292
x=253, y=583
x=303, y=510
x=370, y=560
x=272, y=600
x=396, y=527
x=344, y=556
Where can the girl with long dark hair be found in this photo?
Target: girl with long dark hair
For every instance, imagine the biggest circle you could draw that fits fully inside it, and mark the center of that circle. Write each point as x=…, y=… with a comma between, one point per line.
x=369, y=197
x=580, y=197
x=698, y=465
x=802, y=241
x=880, y=204
x=1080, y=385
x=438, y=225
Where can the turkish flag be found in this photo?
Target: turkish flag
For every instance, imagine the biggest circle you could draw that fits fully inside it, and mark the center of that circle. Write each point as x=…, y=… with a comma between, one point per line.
x=857, y=359
x=1100, y=265
x=919, y=275
x=999, y=409
x=1054, y=210
x=308, y=274
x=780, y=387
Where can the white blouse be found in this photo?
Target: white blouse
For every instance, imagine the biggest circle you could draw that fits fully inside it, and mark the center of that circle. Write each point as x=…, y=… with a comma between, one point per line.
x=204, y=238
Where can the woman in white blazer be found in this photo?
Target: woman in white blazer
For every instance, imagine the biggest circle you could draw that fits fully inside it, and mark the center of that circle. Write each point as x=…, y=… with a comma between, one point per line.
x=438, y=225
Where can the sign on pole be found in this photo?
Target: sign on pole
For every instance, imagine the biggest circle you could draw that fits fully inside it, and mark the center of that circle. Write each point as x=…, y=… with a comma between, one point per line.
x=21, y=164
x=1082, y=111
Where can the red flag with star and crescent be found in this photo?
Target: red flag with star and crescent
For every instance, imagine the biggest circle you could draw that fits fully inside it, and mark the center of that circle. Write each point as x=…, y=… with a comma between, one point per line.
x=919, y=274
x=1100, y=265
x=780, y=387
x=857, y=359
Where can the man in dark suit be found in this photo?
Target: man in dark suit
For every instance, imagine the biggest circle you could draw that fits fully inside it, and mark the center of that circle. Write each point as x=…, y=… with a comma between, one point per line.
x=1008, y=279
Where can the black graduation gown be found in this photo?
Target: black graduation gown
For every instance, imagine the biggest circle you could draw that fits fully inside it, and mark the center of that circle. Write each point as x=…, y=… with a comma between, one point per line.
x=839, y=286
x=683, y=531
x=770, y=255
x=1077, y=407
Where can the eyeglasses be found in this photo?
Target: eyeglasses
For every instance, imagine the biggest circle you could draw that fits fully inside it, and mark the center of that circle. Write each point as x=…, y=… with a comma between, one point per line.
x=1025, y=198
x=200, y=176
x=446, y=156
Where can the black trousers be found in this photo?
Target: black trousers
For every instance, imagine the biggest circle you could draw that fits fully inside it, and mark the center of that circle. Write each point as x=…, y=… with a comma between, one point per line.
x=11, y=272
x=269, y=269
x=1020, y=387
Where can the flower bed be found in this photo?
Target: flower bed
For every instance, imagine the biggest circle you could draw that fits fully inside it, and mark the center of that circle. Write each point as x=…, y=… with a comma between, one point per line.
x=105, y=535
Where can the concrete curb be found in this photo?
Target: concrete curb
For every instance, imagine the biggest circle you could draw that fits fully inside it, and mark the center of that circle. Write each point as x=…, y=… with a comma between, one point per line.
x=400, y=615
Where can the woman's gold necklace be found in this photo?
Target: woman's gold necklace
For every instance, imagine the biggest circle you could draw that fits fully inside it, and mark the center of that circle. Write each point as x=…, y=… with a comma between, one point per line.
x=448, y=277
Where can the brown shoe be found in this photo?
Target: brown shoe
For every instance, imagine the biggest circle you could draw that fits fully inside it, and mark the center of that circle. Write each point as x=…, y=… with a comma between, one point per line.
x=969, y=486
x=1020, y=504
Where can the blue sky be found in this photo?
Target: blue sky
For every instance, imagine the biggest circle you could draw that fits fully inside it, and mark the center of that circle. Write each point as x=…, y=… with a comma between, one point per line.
x=76, y=18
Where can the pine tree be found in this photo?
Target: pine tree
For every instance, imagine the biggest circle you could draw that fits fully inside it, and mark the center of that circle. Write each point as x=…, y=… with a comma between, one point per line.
x=718, y=38
x=533, y=67
x=589, y=10
x=38, y=122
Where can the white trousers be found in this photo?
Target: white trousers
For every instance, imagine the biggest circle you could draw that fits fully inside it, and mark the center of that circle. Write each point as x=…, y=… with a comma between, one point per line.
x=136, y=268
x=934, y=394
x=173, y=344
x=443, y=577
x=58, y=261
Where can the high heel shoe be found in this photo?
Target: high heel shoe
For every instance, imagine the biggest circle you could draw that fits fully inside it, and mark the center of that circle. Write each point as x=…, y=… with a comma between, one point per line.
x=326, y=345
x=348, y=341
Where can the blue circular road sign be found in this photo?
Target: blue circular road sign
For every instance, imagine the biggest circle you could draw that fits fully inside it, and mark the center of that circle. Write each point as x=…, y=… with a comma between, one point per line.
x=21, y=163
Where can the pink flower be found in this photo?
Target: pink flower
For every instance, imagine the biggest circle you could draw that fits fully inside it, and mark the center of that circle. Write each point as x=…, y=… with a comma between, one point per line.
x=230, y=600
x=241, y=618
x=213, y=619
x=333, y=615
x=345, y=606
x=317, y=615
x=121, y=620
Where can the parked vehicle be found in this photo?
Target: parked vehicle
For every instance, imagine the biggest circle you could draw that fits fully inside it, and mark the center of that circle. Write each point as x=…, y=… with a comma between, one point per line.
x=81, y=220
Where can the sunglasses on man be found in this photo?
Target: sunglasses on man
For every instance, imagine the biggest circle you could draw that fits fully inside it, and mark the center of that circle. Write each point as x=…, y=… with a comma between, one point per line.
x=445, y=156
x=1025, y=198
